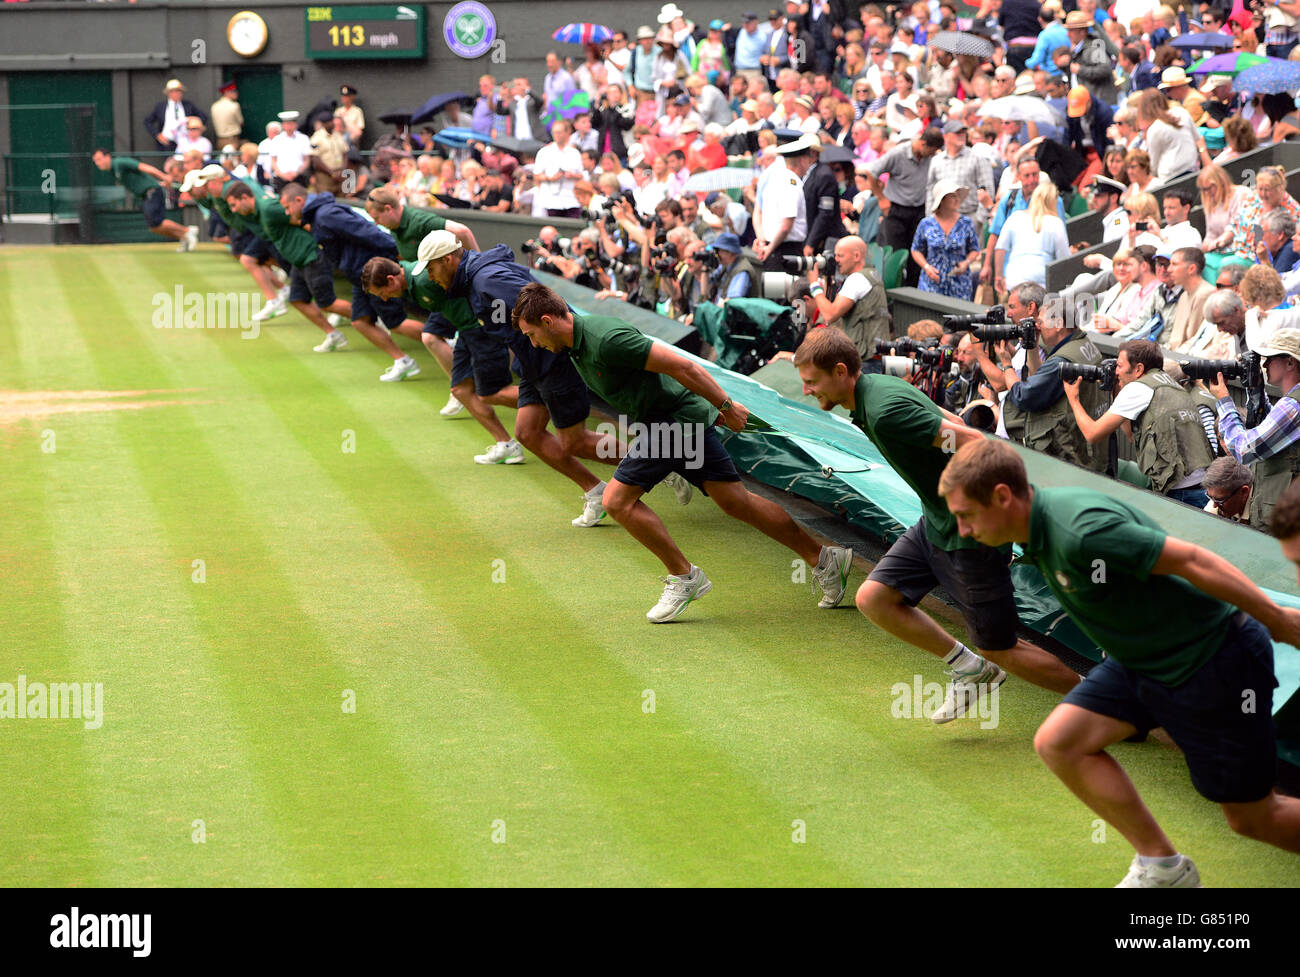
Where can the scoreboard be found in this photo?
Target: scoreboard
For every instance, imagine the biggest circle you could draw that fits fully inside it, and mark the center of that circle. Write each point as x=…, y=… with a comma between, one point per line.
x=365, y=32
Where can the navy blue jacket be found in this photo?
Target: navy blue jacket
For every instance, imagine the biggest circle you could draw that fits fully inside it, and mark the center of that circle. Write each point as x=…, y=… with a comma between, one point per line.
x=348, y=239
x=492, y=281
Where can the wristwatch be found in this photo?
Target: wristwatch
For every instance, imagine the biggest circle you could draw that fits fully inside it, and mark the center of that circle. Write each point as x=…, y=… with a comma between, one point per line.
x=724, y=406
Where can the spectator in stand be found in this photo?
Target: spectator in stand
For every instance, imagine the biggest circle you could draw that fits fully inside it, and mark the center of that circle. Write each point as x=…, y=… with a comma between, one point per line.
x=1172, y=141
x=485, y=120
x=1178, y=231
x=290, y=152
x=558, y=168
x=707, y=100
x=1275, y=248
x=557, y=84
x=613, y=117
x=168, y=119
x=191, y=138
x=669, y=64
x=946, y=244
x=1138, y=166
x=1239, y=138
x=1270, y=194
x=751, y=43
x=329, y=143
x=711, y=55
x=1030, y=240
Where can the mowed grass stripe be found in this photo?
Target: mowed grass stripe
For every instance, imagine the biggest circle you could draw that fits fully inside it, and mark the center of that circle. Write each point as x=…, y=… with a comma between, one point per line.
x=284, y=693
x=471, y=745
x=44, y=830
x=704, y=850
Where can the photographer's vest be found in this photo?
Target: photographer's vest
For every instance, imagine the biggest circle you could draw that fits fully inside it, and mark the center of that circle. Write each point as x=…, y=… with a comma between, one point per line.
x=868, y=319
x=1272, y=476
x=1054, y=431
x=1169, y=437
x=740, y=264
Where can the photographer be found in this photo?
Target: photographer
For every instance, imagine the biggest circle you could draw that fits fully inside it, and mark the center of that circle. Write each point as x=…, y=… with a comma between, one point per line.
x=583, y=265
x=1159, y=416
x=735, y=277
x=1229, y=485
x=860, y=307
x=544, y=248
x=1038, y=404
x=1273, y=448
x=613, y=117
x=964, y=387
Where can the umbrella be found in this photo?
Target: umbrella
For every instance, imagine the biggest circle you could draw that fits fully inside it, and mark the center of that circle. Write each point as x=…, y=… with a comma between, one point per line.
x=726, y=178
x=515, y=147
x=397, y=117
x=961, y=43
x=1019, y=108
x=1210, y=41
x=1270, y=78
x=583, y=34
x=456, y=138
x=1233, y=63
x=571, y=103
x=435, y=105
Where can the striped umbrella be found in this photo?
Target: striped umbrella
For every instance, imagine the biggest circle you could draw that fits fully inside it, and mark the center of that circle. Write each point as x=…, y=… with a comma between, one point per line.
x=1232, y=64
x=1271, y=78
x=571, y=103
x=583, y=34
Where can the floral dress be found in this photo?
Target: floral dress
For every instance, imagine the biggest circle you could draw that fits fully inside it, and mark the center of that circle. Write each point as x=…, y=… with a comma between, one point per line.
x=1243, y=237
x=946, y=252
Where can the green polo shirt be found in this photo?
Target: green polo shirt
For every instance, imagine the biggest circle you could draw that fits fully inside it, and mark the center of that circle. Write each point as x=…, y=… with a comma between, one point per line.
x=126, y=171
x=610, y=356
x=295, y=243
x=432, y=297
x=238, y=222
x=413, y=228
x=903, y=423
x=1096, y=554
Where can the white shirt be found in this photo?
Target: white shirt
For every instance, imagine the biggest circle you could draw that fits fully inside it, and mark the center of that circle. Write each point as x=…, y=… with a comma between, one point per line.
x=1017, y=364
x=1182, y=235
x=174, y=123
x=1259, y=329
x=1115, y=225
x=783, y=198
x=1173, y=150
x=290, y=152
x=616, y=64
x=551, y=159
x=523, y=128
x=1130, y=402
x=648, y=196
x=856, y=286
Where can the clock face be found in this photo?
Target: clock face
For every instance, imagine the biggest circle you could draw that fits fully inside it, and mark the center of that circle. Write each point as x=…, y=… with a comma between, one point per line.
x=247, y=33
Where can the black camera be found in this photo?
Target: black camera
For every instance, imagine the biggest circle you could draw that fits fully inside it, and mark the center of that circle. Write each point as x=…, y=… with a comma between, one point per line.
x=530, y=246
x=709, y=259
x=1103, y=374
x=993, y=316
x=936, y=358
x=664, y=258
x=1026, y=331
x=1248, y=368
x=902, y=346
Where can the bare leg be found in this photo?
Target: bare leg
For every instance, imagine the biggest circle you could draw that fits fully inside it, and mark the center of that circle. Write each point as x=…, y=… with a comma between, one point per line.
x=440, y=350
x=1034, y=664
x=261, y=274
x=530, y=431
x=480, y=409
x=170, y=230
x=765, y=516
x=313, y=315
x=580, y=441
x=623, y=502
x=377, y=336
x=341, y=307
x=1275, y=820
x=1072, y=742
x=884, y=607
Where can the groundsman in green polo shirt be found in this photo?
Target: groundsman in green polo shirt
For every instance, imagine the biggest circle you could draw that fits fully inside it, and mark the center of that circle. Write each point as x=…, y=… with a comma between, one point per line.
x=1186, y=637
x=917, y=438
x=146, y=183
x=668, y=406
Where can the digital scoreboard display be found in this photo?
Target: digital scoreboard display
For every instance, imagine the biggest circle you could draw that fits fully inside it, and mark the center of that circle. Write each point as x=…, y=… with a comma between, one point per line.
x=365, y=32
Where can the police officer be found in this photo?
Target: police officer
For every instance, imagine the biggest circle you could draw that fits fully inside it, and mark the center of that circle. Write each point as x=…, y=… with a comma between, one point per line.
x=821, y=195
x=1036, y=411
x=1171, y=446
x=1105, y=201
x=781, y=216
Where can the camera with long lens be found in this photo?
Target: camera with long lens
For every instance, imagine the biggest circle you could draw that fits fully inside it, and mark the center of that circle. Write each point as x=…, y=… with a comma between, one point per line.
x=1103, y=374
x=1247, y=368
x=1025, y=331
x=663, y=259
x=709, y=259
x=995, y=315
x=799, y=264
x=903, y=346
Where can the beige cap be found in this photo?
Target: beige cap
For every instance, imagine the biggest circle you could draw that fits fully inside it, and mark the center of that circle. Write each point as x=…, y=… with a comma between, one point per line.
x=436, y=244
x=173, y=84
x=1284, y=342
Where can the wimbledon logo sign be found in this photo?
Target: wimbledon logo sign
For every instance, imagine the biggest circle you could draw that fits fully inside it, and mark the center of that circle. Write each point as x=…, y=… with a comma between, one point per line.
x=469, y=29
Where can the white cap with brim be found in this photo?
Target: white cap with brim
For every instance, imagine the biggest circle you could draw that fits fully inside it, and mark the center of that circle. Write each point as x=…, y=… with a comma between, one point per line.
x=1284, y=342
x=288, y=116
x=804, y=144
x=436, y=244
x=192, y=180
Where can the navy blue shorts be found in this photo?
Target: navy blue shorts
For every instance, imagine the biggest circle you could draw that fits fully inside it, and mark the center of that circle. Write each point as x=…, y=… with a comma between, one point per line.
x=392, y=312
x=436, y=325
x=1221, y=717
x=313, y=283
x=154, y=207
x=665, y=446
x=248, y=243
x=562, y=391
x=482, y=356
x=978, y=580
x=217, y=227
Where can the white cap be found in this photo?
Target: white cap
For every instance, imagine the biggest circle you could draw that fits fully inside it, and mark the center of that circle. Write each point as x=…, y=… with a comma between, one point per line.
x=805, y=143
x=669, y=12
x=946, y=186
x=289, y=115
x=191, y=181
x=635, y=154
x=436, y=244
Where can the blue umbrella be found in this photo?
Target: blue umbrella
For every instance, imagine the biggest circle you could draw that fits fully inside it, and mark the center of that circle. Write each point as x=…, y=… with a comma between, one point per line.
x=456, y=138
x=1269, y=79
x=583, y=34
x=435, y=105
x=1211, y=41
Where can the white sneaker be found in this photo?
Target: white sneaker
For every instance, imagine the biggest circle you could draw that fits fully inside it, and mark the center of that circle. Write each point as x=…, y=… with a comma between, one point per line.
x=503, y=453
x=400, y=370
x=453, y=407
x=336, y=320
x=964, y=691
x=681, y=488
x=191, y=239
x=333, y=340
x=282, y=296
x=678, y=592
x=832, y=574
x=275, y=307
x=592, y=509
x=1182, y=875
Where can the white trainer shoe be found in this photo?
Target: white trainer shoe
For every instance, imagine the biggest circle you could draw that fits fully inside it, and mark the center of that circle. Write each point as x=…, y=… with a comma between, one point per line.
x=678, y=592
x=965, y=691
x=400, y=370
x=681, y=488
x=453, y=407
x=275, y=307
x=1182, y=875
x=191, y=239
x=832, y=574
x=335, y=320
x=592, y=509
x=333, y=340
x=283, y=294
x=503, y=453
